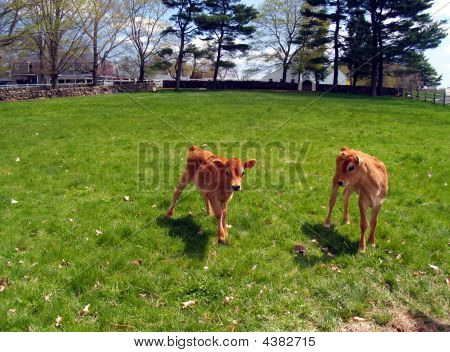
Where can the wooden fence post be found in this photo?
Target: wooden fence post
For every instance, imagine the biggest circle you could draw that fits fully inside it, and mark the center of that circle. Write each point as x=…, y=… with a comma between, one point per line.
x=434, y=98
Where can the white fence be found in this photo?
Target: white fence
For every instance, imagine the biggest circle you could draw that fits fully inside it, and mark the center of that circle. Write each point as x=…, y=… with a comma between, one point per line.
x=441, y=97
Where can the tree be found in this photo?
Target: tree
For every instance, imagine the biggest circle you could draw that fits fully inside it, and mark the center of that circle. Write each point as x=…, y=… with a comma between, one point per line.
x=62, y=37
x=336, y=14
x=357, y=49
x=398, y=27
x=128, y=66
x=428, y=75
x=312, y=40
x=197, y=54
x=184, y=28
x=164, y=60
x=102, y=23
x=33, y=42
x=226, y=22
x=278, y=24
x=417, y=65
x=145, y=29
x=11, y=14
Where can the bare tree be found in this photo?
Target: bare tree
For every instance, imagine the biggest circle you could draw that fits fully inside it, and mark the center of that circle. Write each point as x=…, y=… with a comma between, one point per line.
x=103, y=23
x=11, y=13
x=145, y=29
x=63, y=37
x=278, y=25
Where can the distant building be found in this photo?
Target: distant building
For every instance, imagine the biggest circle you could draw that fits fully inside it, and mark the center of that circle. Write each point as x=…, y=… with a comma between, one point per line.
x=306, y=79
x=80, y=71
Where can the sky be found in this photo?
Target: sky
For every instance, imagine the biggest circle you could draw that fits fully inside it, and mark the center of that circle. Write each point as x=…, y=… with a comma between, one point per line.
x=438, y=57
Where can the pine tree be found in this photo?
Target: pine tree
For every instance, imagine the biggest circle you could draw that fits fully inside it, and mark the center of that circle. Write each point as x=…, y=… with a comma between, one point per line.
x=417, y=64
x=225, y=22
x=357, y=48
x=335, y=12
x=184, y=27
x=312, y=40
x=398, y=27
x=198, y=53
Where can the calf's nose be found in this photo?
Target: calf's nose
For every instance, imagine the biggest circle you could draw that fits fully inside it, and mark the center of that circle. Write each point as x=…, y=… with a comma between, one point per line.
x=236, y=187
x=340, y=183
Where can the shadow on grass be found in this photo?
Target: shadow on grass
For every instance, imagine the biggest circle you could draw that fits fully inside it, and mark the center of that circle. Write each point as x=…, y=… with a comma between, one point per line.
x=331, y=242
x=426, y=323
x=186, y=229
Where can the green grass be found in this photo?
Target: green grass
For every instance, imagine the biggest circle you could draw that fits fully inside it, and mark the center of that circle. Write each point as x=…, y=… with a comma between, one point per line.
x=80, y=156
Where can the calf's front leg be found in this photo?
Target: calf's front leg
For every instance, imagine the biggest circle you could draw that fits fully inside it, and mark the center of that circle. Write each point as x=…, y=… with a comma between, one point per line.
x=333, y=197
x=346, y=197
x=224, y=207
x=362, y=223
x=184, y=180
x=373, y=224
x=218, y=213
x=207, y=206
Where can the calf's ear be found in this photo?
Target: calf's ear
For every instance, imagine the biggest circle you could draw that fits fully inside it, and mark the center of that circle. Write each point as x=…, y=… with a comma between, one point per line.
x=342, y=155
x=359, y=160
x=249, y=164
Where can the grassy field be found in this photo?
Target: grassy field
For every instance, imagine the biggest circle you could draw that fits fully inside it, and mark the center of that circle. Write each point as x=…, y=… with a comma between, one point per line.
x=71, y=240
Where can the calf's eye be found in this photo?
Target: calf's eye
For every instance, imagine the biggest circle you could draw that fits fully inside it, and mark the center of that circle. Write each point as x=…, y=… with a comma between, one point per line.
x=351, y=168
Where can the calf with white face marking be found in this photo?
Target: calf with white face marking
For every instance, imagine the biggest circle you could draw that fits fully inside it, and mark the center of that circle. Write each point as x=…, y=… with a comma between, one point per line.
x=216, y=178
x=366, y=175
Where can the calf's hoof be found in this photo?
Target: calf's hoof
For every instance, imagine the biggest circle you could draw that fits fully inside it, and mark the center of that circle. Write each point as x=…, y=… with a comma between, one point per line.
x=327, y=225
x=361, y=249
x=169, y=213
x=347, y=222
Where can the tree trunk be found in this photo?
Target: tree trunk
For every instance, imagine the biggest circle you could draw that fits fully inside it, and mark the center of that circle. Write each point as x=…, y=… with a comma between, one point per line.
x=180, y=62
x=41, y=67
x=336, y=47
x=355, y=79
x=141, y=68
x=95, y=50
x=285, y=69
x=216, y=66
x=380, y=66
x=54, y=80
x=374, y=63
x=219, y=56
x=194, y=66
x=54, y=65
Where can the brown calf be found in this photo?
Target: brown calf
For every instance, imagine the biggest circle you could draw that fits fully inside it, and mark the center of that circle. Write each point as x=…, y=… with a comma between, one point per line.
x=366, y=175
x=216, y=178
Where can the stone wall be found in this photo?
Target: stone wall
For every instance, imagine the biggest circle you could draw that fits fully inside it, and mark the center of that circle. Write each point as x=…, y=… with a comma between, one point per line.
x=14, y=94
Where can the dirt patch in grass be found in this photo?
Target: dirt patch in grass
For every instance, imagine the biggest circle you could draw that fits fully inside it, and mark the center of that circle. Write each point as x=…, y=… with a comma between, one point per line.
x=402, y=321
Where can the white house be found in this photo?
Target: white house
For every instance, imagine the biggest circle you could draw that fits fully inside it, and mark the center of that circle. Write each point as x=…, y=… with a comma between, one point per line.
x=306, y=80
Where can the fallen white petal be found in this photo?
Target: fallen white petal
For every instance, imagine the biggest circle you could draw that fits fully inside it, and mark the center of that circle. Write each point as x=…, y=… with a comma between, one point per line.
x=58, y=321
x=188, y=304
